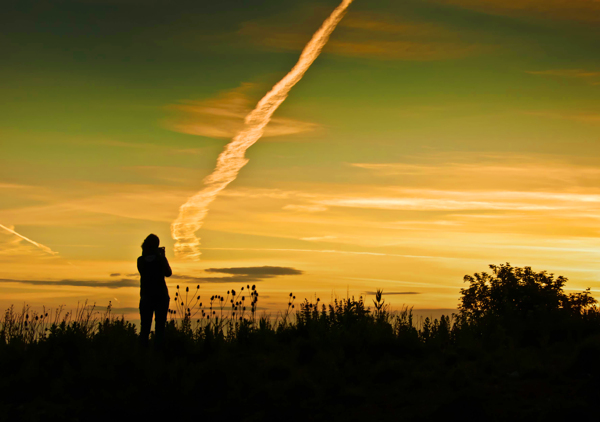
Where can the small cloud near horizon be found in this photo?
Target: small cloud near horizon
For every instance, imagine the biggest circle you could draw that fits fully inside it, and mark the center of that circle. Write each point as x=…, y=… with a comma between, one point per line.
x=77, y=283
x=240, y=274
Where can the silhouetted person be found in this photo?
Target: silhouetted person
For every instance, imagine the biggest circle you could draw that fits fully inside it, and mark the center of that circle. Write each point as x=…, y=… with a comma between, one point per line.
x=154, y=295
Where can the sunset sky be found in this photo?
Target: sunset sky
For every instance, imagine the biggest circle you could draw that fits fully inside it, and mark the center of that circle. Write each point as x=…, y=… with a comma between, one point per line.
x=430, y=139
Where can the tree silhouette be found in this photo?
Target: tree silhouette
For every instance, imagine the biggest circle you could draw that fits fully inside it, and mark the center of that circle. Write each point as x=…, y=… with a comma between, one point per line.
x=517, y=293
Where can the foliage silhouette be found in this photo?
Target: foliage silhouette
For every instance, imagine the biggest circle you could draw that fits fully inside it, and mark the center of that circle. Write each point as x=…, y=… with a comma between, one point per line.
x=525, y=306
x=344, y=360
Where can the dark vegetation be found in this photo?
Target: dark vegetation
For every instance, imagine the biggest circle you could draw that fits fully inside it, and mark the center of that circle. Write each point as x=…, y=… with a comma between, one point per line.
x=519, y=348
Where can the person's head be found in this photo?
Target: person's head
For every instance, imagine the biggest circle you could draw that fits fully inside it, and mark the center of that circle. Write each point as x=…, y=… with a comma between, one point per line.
x=150, y=244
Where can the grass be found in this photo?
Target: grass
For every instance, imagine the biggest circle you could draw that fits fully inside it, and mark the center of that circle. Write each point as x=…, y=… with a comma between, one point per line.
x=346, y=360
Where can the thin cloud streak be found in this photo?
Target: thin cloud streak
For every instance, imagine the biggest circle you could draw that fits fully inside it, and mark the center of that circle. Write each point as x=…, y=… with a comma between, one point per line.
x=231, y=161
x=590, y=77
x=240, y=274
x=77, y=283
x=39, y=245
x=330, y=251
x=223, y=116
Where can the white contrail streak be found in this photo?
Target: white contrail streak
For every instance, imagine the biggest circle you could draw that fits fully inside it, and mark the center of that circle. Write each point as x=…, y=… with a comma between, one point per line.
x=39, y=245
x=232, y=159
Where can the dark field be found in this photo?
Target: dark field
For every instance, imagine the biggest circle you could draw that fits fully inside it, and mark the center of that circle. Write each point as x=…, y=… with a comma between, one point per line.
x=518, y=349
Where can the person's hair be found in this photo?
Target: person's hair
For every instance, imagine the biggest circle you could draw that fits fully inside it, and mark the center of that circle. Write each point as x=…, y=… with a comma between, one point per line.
x=150, y=243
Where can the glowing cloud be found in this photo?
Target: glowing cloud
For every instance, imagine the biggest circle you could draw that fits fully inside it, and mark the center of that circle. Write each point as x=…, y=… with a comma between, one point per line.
x=232, y=159
x=42, y=247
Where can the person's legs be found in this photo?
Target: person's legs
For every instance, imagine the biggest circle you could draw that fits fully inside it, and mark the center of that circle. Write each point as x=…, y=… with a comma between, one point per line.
x=162, y=308
x=146, y=311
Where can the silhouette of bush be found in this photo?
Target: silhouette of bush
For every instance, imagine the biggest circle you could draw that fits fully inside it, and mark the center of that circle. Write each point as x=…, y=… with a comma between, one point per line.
x=523, y=304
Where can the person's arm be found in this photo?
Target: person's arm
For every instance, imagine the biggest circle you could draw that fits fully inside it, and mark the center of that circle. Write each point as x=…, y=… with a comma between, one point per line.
x=167, y=268
x=139, y=266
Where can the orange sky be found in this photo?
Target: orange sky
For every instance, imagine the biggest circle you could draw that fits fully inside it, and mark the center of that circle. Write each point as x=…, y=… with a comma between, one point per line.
x=429, y=140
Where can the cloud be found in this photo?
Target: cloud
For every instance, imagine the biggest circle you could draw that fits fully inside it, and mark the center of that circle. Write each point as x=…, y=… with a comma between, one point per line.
x=305, y=208
x=590, y=77
x=331, y=251
x=502, y=171
x=369, y=35
x=88, y=202
x=240, y=274
x=444, y=201
x=265, y=271
x=13, y=186
x=319, y=238
x=77, y=283
x=223, y=116
x=583, y=117
x=578, y=10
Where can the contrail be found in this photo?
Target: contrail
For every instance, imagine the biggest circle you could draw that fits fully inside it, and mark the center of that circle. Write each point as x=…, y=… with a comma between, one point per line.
x=232, y=159
x=39, y=245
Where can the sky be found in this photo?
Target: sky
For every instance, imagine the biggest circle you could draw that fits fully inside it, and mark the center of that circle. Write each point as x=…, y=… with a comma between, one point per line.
x=430, y=139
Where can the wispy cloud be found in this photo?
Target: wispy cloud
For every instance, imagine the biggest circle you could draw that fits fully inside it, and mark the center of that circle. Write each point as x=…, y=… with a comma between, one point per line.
x=579, y=10
x=264, y=271
x=332, y=251
x=90, y=203
x=319, y=238
x=240, y=274
x=440, y=204
x=223, y=116
x=492, y=172
x=305, y=208
x=371, y=35
x=77, y=283
x=584, y=117
x=13, y=186
x=590, y=77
